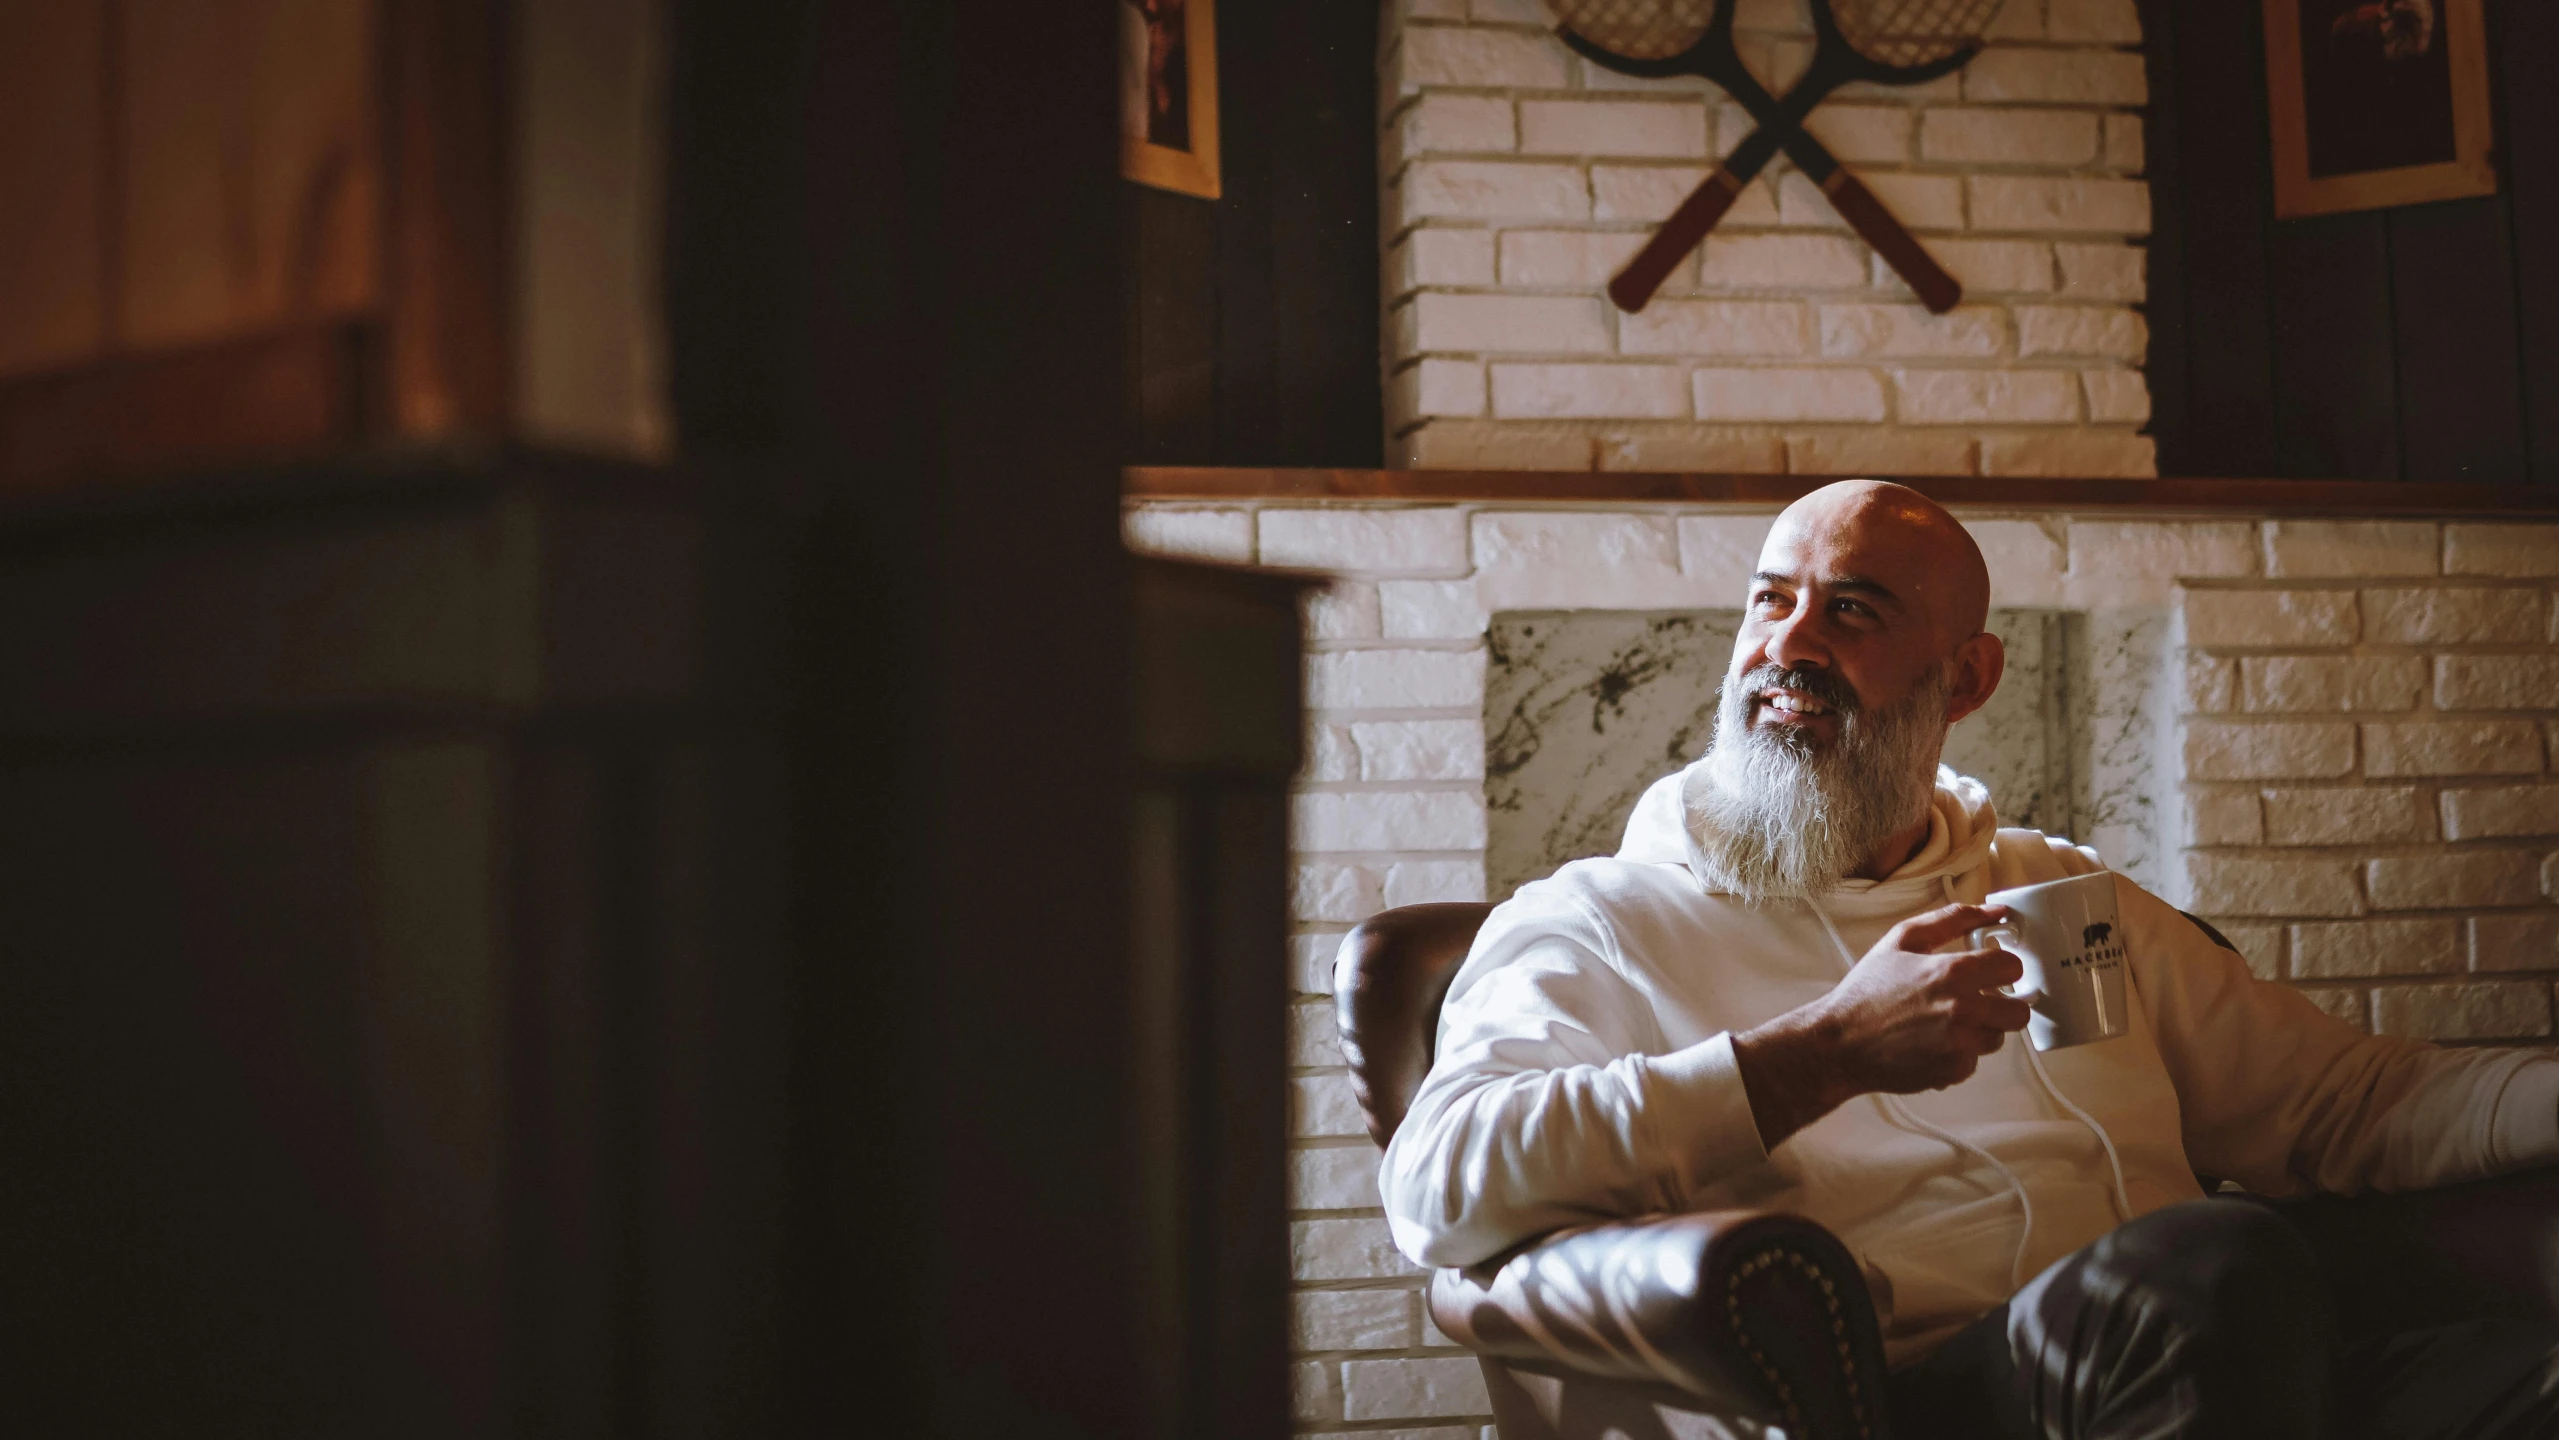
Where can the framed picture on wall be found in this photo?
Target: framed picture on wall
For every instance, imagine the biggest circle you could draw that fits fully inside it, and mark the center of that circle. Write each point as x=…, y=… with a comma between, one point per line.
x=1168, y=95
x=2377, y=102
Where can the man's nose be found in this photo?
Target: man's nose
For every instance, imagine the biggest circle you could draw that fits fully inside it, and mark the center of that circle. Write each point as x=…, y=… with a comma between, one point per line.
x=1796, y=641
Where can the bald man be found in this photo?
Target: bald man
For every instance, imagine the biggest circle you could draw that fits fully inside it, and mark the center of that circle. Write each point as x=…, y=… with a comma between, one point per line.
x=1767, y=998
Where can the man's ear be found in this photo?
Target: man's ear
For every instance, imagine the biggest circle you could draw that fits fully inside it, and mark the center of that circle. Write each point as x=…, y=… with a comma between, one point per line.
x=1978, y=662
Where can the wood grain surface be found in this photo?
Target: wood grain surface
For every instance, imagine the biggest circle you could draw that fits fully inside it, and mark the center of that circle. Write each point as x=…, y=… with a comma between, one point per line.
x=1575, y=487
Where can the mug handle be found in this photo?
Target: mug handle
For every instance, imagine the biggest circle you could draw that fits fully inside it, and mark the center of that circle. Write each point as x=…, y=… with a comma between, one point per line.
x=1991, y=937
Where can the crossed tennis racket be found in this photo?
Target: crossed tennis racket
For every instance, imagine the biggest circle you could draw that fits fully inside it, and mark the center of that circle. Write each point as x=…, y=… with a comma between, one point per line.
x=1886, y=42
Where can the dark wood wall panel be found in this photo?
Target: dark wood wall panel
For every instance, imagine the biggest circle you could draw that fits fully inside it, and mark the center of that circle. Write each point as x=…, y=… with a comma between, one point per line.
x=1173, y=324
x=2171, y=384
x=1250, y=100
x=2452, y=288
x=53, y=185
x=1253, y=319
x=2225, y=182
x=2335, y=395
x=265, y=228
x=2420, y=343
x=2523, y=35
x=401, y=849
x=1324, y=308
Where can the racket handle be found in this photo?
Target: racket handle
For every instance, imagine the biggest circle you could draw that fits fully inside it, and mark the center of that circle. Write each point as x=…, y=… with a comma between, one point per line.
x=1849, y=196
x=1634, y=286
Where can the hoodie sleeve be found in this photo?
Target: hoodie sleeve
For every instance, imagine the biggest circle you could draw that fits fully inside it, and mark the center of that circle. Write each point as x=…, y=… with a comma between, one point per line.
x=1551, y=1102
x=2285, y=1098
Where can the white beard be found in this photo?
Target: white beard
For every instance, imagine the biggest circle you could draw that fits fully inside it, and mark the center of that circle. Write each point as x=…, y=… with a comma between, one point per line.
x=1769, y=818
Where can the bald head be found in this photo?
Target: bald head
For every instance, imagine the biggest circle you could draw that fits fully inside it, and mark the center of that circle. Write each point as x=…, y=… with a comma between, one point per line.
x=1899, y=540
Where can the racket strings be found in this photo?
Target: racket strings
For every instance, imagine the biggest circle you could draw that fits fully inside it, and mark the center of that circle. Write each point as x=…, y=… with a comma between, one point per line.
x=1637, y=29
x=1909, y=33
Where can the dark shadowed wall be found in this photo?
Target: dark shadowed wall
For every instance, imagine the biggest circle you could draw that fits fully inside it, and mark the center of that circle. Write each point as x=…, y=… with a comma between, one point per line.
x=2419, y=343
x=1253, y=319
x=507, y=945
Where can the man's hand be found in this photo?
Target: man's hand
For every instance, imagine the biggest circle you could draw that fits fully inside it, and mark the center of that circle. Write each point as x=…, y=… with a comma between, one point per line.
x=1905, y=1020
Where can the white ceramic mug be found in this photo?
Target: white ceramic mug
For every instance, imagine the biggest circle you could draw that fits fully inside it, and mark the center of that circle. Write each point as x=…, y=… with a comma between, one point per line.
x=2070, y=938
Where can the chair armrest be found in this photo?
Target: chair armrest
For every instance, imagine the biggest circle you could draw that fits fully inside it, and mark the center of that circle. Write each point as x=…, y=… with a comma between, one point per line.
x=1389, y=978
x=2489, y=1248
x=1744, y=1312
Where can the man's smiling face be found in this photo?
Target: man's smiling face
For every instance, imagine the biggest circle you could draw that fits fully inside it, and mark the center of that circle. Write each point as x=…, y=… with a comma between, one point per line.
x=1860, y=596
x=1862, y=643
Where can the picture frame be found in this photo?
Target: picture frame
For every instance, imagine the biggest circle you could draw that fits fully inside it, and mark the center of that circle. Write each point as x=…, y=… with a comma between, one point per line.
x=2375, y=103
x=1168, y=95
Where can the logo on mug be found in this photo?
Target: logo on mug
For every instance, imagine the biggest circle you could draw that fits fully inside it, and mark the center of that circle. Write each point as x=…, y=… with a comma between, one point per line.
x=2094, y=935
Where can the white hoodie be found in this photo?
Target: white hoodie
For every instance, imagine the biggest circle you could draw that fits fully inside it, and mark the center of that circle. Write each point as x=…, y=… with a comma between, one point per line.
x=1585, y=1071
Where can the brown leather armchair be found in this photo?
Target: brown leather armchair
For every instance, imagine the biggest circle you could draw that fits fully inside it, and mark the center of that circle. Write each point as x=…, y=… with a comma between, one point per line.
x=1640, y=1326
x=1648, y=1327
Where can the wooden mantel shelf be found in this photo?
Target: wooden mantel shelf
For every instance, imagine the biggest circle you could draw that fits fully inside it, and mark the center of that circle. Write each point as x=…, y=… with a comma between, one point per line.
x=1565, y=487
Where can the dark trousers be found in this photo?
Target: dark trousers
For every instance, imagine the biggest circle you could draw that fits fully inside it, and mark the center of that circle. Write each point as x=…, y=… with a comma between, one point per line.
x=2211, y=1320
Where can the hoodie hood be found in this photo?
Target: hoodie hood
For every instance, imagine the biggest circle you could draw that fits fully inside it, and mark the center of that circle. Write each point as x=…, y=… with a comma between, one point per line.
x=1961, y=826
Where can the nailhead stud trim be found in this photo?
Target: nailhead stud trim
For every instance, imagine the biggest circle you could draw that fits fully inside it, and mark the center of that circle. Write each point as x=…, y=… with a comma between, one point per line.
x=1838, y=1330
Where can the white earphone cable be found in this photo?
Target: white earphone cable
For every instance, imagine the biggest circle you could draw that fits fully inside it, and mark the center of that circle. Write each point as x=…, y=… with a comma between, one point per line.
x=1895, y=1112
x=2122, y=1199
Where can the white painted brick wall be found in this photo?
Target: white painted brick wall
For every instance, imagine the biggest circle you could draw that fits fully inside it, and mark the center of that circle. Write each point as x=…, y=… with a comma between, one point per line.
x=1390, y=811
x=1516, y=179
x=2369, y=730
x=1354, y=1319
x=1192, y=532
x=2371, y=795
x=1378, y=679
x=1411, y=1389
